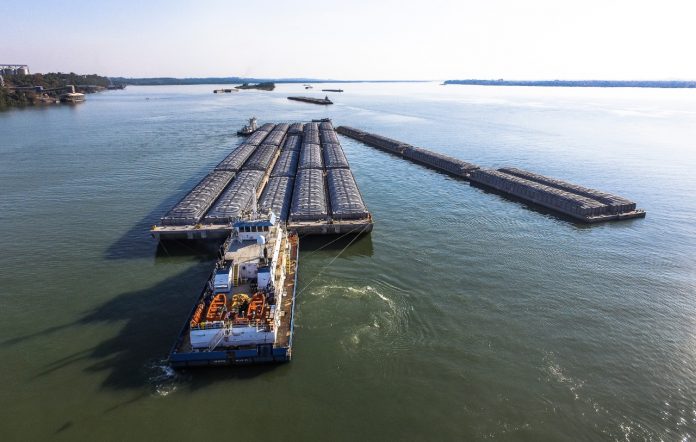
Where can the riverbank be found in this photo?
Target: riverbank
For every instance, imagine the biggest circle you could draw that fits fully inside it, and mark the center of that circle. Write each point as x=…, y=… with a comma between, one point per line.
x=42, y=89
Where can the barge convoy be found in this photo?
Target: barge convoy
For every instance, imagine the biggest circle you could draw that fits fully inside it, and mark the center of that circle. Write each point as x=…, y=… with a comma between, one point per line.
x=245, y=313
x=580, y=203
x=299, y=171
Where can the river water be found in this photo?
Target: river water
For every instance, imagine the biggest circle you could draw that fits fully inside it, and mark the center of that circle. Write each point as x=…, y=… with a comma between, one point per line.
x=463, y=315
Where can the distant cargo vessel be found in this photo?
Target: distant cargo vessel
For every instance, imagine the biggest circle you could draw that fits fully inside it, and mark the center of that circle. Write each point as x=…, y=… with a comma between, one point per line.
x=245, y=313
x=312, y=100
x=332, y=90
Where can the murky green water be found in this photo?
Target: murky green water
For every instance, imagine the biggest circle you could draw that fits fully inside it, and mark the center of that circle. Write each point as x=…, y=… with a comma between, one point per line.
x=462, y=316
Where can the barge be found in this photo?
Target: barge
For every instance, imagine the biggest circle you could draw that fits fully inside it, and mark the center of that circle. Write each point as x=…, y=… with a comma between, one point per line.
x=245, y=312
x=298, y=170
x=322, y=101
x=580, y=203
x=435, y=160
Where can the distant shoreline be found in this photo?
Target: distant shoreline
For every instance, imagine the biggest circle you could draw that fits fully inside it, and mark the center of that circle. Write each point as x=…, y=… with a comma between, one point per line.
x=171, y=81
x=578, y=83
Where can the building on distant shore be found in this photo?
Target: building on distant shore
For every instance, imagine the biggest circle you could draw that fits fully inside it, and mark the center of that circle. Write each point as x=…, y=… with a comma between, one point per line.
x=14, y=69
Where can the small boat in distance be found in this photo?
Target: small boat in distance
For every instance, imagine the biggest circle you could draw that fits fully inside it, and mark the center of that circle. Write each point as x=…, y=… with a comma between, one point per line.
x=249, y=128
x=307, y=86
x=72, y=97
x=332, y=90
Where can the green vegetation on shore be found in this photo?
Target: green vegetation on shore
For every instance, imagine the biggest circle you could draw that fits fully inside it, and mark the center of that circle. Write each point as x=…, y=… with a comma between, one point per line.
x=168, y=81
x=9, y=97
x=267, y=86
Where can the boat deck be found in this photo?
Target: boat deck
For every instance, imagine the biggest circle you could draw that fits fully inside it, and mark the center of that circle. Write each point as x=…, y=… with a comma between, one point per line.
x=183, y=354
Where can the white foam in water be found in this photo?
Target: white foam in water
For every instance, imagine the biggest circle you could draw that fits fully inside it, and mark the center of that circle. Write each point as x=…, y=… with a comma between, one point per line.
x=164, y=379
x=558, y=374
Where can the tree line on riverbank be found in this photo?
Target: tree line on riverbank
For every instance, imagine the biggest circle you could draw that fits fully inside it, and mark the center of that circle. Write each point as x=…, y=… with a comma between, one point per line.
x=10, y=97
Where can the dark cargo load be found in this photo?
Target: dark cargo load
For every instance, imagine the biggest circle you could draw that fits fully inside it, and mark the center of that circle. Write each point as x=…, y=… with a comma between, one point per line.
x=193, y=206
x=286, y=165
x=293, y=142
x=313, y=126
x=552, y=197
x=277, y=196
x=295, y=129
x=267, y=127
x=282, y=127
x=261, y=159
x=310, y=137
x=311, y=134
x=236, y=159
x=616, y=203
x=379, y=141
x=334, y=157
x=310, y=157
x=344, y=195
x=275, y=138
x=309, y=196
x=257, y=137
x=236, y=198
x=328, y=136
x=447, y=163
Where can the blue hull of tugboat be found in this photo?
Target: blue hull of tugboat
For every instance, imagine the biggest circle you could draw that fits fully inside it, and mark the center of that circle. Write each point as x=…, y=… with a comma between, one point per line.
x=259, y=355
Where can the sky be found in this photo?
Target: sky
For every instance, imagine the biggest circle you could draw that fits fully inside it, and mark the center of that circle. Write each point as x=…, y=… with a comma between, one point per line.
x=357, y=39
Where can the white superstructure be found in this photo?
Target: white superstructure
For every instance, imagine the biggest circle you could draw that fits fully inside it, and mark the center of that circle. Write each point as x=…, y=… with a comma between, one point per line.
x=239, y=308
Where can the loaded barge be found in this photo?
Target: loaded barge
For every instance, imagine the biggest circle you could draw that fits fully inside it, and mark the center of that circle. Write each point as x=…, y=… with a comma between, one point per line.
x=245, y=313
x=580, y=203
x=312, y=100
x=298, y=171
x=443, y=163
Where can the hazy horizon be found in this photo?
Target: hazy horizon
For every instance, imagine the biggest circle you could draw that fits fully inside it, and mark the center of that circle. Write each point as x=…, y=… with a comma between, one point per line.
x=360, y=40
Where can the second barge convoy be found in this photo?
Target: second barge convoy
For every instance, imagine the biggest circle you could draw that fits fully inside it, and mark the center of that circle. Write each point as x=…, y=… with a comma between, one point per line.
x=580, y=203
x=245, y=313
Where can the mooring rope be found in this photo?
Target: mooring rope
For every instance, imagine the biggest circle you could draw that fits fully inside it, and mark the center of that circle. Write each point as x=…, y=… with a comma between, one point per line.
x=357, y=235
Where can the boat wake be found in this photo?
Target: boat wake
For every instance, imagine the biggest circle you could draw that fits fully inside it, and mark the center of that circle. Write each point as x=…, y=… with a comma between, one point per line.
x=382, y=327
x=557, y=374
x=163, y=379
